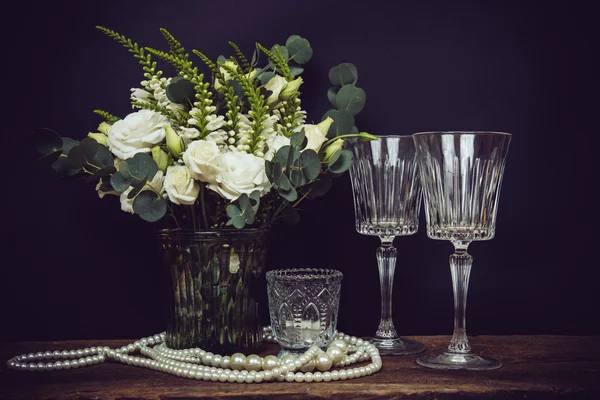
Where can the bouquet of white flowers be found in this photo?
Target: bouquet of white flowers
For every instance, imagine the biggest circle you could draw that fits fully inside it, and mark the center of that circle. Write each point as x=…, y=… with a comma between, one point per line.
x=209, y=153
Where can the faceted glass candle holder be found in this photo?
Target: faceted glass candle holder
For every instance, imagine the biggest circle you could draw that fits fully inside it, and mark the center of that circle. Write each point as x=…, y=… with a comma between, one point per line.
x=303, y=305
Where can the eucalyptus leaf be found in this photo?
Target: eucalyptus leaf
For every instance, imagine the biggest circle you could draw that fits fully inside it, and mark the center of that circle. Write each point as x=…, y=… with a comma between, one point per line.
x=138, y=167
x=49, y=159
x=285, y=154
x=236, y=217
x=222, y=59
x=353, y=69
x=180, y=91
x=137, y=188
x=290, y=195
x=255, y=199
x=321, y=186
x=350, y=98
x=311, y=165
x=101, y=173
x=246, y=208
x=45, y=141
x=299, y=49
x=343, y=121
x=354, y=130
x=331, y=94
x=297, y=177
x=269, y=170
x=119, y=182
x=295, y=71
x=343, y=163
x=149, y=206
x=277, y=172
x=341, y=75
x=284, y=183
x=299, y=140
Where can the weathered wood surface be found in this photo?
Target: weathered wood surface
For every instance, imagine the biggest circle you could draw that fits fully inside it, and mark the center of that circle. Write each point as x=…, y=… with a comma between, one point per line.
x=535, y=367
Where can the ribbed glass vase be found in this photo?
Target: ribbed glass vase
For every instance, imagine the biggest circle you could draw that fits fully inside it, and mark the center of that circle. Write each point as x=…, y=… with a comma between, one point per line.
x=217, y=288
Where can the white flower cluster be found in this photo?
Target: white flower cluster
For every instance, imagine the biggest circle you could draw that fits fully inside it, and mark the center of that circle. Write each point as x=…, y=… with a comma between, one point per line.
x=220, y=158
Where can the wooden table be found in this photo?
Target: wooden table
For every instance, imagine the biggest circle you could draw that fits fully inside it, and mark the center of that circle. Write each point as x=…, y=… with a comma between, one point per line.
x=535, y=367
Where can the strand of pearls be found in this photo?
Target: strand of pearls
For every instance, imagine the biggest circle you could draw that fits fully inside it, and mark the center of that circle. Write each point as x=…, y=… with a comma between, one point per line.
x=202, y=365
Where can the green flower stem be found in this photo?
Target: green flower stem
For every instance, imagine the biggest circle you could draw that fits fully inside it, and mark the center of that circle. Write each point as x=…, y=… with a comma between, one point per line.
x=362, y=136
x=302, y=198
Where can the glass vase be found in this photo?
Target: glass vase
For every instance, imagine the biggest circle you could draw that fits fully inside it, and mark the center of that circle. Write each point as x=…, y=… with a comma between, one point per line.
x=217, y=288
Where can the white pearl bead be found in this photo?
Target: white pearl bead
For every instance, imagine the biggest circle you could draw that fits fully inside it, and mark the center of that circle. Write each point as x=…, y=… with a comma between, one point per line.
x=323, y=362
x=225, y=362
x=237, y=361
x=363, y=371
x=299, y=377
x=276, y=372
x=335, y=375
x=50, y=367
x=290, y=377
x=251, y=376
x=308, y=377
x=288, y=359
x=343, y=375
x=58, y=365
x=336, y=354
x=268, y=375
x=253, y=363
x=216, y=360
x=284, y=369
x=318, y=377
x=327, y=376
x=207, y=358
x=41, y=366
x=270, y=362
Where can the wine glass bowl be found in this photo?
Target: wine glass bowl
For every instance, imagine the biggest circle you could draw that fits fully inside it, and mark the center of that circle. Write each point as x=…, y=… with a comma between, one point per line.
x=461, y=174
x=387, y=198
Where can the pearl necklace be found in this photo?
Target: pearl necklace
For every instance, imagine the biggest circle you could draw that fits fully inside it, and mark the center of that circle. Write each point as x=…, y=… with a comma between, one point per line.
x=202, y=365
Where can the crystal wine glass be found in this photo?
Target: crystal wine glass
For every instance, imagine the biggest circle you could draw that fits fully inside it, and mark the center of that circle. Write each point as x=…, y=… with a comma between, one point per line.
x=461, y=174
x=387, y=199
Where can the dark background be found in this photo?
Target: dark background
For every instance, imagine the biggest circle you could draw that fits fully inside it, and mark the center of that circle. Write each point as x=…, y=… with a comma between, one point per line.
x=76, y=267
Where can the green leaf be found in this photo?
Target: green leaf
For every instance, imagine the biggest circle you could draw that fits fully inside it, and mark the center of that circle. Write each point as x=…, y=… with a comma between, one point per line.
x=119, y=182
x=63, y=164
x=299, y=49
x=295, y=71
x=351, y=98
x=284, y=51
x=311, y=165
x=265, y=77
x=236, y=217
x=137, y=188
x=297, y=177
x=343, y=121
x=255, y=199
x=269, y=170
x=286, y=156
x=180, y=91
x=101, y=173
x=246, y=207
x=290, y=195
x=277, y=172
x=284, y=183
x=353, y=69
x=45, y=141
x=331, y=93
x=90, y=153
x=343, y=163
x=49, y=159
x=334, y=157
x=299, y=140
x=341, y=75
x=321, y=186
x=149, y=206
x=222, y=59
x=138, y=167
x=354, y=130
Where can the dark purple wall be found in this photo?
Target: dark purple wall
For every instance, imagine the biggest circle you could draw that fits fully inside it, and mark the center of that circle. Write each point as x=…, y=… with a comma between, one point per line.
x=75, y=266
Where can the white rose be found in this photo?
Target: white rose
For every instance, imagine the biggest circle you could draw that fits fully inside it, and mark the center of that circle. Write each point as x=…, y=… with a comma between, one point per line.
x=240, y=173
x=136, y=133
x=317, y=134
x=201, y=157
x=275, y=85
x=274, y=143
x=156, y=184
x=180, y=186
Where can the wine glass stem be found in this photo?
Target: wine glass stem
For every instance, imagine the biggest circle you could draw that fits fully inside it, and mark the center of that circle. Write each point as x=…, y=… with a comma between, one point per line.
x=386, y=261
x=460, y=267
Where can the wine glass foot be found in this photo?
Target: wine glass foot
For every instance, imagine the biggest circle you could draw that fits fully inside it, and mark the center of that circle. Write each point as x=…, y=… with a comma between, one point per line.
x=468, y=361
x=397, y=346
